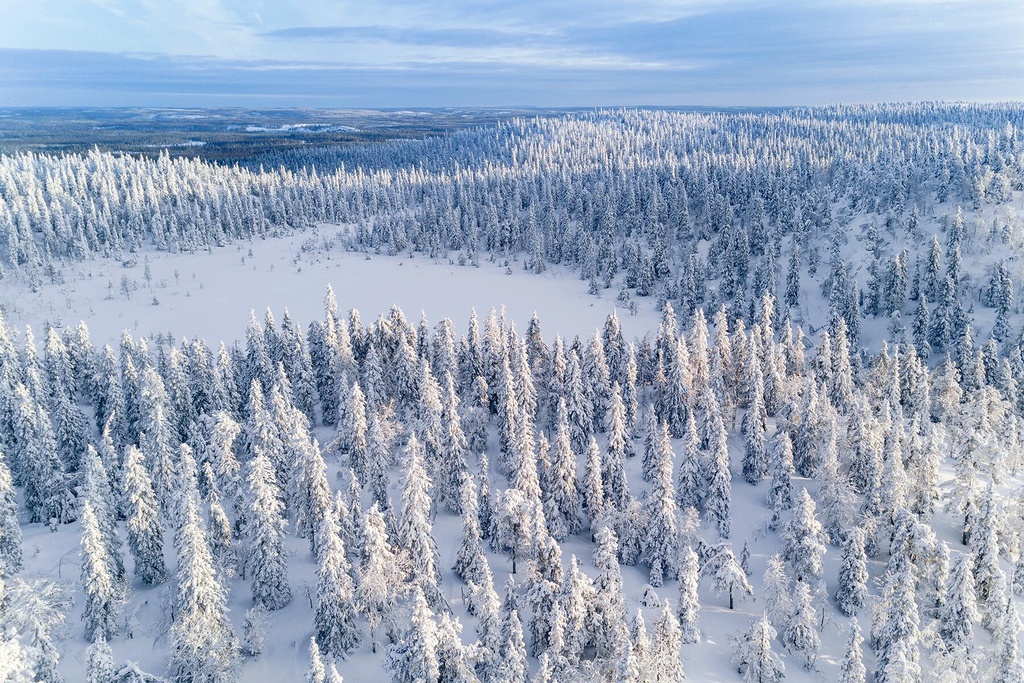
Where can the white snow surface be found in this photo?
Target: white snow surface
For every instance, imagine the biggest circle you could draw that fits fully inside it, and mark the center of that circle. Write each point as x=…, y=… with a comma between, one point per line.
x=214, y=292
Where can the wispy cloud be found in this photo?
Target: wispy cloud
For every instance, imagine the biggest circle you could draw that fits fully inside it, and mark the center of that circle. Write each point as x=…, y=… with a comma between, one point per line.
x=447, y=37
x=574, y=52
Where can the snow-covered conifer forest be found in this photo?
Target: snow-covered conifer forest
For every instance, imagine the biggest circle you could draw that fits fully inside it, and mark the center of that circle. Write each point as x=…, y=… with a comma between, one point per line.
x=774, y=432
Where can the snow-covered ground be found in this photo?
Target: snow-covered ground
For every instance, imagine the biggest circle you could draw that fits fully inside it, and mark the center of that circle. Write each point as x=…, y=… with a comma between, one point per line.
x=209, y=294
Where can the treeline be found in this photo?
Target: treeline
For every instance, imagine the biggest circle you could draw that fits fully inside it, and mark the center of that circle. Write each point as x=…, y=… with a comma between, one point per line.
x=604, y=193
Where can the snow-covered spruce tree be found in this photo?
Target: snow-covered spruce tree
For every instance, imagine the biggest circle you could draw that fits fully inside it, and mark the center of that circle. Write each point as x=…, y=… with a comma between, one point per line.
x=593, y=487
x=1017, y=582
x=443, y=355
x=557, y=365
x=776, y=591
x=753, y=655
x=801, y=633
x=578, y=603
x=10, y=531
x=893, y=492
x=835, y=493
x=379, y=445
x=486, y=498
x=557, y=649
x=853, y=574
x=475, y=417
x=292, y=438
x=47, y=487
x=453, y=447
x=35, y=608
x=548, y=669
x=895, y=628
x=634, y=662
x=380, y=576
x=519, y=524
x=958, y=611
x=994, y=607
x=454, y=664
x=543, y=579
x=804, y=540
x=428, y=420
x=667, y=664
x=221, y=542
x=157, y=438
x=810, y=432
x=267, y=561
x=259, y=365
x=469, y=559
x=351, y=421
x=512, y=663
x=316, y=673
x=260, y=433
x=414, y=529
x=98, y=493
x=334, y=622
x=937, y=578
x=597, y=377
x=227, y=372
x=578, y=405
x=727, y=577
x=99, y=663
x=674, y=396
x=851, y=669
x=718, y=503
x=413, y=658
x=1009, y=666
x=840, y=390
x=793, y=277
x=70, y=429
x=220, y=452
x=690, y=479
x=700, y=363
x=486, y=606
x=113, y=464
x=109, y=399
x=254, y=628
x=562, y=488
x=372, y=379
x=629, y=528
x=145, y=531
x=203, y=645
x=179, y=392
x=613, y=473
x=523, y=473
x=941, y=331
x=101, y=598
x=648, y=460
x=688, y=606
x=661, y=546
x=509, y=415
x=984, y=544
x=754, y=428
x=609, y=606
x=313, y=493
x=925, y=474
x=522, y=373
x=354, y=539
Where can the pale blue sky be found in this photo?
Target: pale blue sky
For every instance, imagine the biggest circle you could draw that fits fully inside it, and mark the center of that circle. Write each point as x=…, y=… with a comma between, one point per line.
x=403, y=53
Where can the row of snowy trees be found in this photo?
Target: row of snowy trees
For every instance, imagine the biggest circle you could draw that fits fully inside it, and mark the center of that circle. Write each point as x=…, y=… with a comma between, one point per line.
x=623, y=198
x=529, y=443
